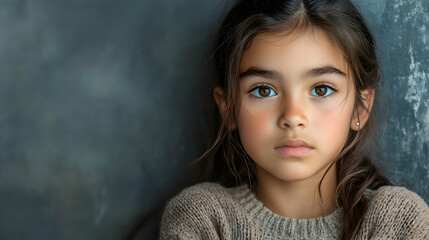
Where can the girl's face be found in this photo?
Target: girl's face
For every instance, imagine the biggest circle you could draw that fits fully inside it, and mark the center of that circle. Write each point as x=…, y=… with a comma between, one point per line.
x=297, y=104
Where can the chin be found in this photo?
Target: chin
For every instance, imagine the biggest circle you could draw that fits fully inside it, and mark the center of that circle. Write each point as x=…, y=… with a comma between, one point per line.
x=292, y=175
x=295, y=177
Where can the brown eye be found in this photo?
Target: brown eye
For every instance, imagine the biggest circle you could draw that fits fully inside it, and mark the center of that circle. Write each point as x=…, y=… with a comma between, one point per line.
x=264, y=91
x=321, y=90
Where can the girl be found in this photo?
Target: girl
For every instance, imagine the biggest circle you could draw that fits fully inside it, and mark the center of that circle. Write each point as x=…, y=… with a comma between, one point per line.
x=296, y=84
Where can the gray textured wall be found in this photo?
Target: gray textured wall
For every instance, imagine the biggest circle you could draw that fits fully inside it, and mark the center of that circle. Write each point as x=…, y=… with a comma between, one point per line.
x=401, y=30
x=101, y=108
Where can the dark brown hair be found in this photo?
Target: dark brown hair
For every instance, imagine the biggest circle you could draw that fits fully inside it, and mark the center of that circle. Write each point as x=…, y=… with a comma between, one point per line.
x=343, y=24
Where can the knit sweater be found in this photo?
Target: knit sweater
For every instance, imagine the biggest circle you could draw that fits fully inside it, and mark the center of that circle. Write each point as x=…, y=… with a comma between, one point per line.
x=211, y=211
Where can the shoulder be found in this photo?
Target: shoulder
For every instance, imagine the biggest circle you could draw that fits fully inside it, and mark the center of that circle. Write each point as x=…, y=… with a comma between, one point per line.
x=204, y=188
x=398, y=210
x=200, y=194
x=393, y=197
x=197, y=212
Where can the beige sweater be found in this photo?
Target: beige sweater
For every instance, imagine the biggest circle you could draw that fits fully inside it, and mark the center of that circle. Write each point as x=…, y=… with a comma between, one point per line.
x=211, y=211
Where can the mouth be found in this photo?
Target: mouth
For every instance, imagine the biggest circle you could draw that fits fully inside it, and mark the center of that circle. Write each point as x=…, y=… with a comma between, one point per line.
x=294, y=148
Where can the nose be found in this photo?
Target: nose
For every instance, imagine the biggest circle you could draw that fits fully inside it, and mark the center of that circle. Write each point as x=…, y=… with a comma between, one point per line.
x=293, y=113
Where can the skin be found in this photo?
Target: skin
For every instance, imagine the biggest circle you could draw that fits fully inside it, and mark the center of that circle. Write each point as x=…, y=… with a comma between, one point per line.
x=295, y=105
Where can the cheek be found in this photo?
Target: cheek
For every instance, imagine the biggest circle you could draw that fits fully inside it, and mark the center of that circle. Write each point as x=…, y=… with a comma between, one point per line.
x=254, y=125
x=333, y=122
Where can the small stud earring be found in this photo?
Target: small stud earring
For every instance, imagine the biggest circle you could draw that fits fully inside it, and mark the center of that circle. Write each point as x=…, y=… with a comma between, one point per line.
x=357, y=123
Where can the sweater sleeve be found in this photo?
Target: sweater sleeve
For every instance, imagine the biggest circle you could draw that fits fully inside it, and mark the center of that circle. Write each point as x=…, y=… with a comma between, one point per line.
x=417, y=221
x=189, y=215
x=399, y=214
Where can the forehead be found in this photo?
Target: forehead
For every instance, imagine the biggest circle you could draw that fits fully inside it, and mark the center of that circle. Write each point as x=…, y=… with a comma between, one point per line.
x=293, y=51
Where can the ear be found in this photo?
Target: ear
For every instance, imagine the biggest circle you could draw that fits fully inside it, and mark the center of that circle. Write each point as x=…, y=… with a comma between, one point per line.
x=219, y=98
x=362, y=111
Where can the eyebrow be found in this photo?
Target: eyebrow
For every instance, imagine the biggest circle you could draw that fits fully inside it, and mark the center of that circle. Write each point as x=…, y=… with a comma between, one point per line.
x=271, y=74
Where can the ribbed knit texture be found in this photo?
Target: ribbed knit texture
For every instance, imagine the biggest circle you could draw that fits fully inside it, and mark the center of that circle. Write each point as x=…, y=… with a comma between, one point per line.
x=211, y=211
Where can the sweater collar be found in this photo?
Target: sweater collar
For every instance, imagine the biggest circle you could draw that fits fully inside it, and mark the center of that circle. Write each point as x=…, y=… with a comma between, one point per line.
x=268, y=221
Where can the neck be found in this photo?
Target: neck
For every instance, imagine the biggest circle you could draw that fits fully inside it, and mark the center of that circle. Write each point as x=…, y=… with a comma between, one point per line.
x=298, y=199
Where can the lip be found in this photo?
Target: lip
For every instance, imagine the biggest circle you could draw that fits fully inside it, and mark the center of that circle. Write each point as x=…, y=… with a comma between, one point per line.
x=294, y=148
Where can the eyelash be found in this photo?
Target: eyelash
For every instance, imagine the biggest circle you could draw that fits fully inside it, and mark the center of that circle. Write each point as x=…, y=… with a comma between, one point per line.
x=326, y=85
x=260, y=86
